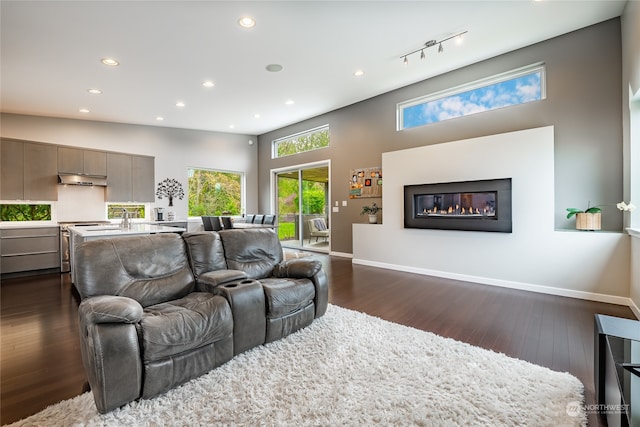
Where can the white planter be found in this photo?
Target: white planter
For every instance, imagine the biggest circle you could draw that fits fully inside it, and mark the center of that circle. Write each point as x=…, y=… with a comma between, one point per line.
x=373, y=218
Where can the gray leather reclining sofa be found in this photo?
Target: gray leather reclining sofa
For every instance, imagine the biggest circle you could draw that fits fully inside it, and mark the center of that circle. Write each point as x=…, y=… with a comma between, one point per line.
x=159, y=310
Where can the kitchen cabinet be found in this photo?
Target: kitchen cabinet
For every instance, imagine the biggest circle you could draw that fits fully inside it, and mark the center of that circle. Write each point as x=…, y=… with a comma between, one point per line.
x=143, y=179
x=80, y=161
x=27, y=249
x=29, y=171
x=130, y=178
x=12, y=185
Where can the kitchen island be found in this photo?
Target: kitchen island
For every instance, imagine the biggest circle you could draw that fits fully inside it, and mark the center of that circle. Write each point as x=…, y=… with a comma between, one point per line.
x=79, y=234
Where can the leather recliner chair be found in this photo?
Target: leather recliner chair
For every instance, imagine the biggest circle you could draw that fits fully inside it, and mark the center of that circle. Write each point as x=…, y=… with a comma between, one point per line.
x=295, y=291
x=144, y=328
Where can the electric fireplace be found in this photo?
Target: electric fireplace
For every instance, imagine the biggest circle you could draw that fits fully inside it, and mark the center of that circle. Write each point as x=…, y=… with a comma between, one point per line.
x=483, y=205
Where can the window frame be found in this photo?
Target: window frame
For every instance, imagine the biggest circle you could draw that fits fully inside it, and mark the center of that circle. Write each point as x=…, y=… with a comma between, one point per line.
x=275, y=142
x=109, y=206
x=50, y=204
x=243, y=188
x=538, y=67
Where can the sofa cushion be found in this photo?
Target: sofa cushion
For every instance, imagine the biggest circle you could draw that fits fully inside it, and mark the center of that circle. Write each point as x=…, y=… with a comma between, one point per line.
x=284, y=296
x=149, y=269
x=205, y=252
x=254, y=250
x=188, y=323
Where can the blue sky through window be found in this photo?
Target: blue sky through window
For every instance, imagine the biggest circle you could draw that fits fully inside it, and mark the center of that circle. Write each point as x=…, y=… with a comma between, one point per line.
x=502, y=94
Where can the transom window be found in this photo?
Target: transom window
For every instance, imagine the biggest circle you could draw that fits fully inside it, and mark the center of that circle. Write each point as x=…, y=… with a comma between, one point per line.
x=302, y=142
x=503, y=90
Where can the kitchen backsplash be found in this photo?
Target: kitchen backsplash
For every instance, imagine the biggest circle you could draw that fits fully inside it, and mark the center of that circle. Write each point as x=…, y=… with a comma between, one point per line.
x=77, y=203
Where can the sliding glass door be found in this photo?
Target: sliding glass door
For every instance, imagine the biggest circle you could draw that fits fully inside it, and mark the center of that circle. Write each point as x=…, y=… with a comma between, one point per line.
x=302, y=203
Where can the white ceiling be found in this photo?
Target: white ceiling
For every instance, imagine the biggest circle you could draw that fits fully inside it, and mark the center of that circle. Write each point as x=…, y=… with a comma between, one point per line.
x=51, y=53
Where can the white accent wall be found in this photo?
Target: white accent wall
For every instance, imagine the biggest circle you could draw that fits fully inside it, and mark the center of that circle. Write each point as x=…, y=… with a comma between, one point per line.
x=589, y=265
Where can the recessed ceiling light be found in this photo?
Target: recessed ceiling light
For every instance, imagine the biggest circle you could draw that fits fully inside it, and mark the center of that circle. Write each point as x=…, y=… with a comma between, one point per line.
x=84, y=110
x=289, y=102
x=358, y=73
x=110, y=62
x=274, y=68
x=247, y=22
x=208, y=83
x=232, y=126
x=159, y=118
x=180, y=104
x=257, y=116
x=94, y=91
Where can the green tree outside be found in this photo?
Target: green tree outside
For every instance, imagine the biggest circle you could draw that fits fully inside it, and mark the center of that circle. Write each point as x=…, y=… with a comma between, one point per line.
x=302, y=143
x=25, y=212
x=214, y=193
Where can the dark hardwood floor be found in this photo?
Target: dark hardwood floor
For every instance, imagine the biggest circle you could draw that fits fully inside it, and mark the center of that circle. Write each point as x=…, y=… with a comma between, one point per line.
x=40, y=355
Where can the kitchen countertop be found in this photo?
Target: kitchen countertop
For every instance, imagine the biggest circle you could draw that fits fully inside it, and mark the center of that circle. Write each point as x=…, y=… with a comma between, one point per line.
x=7, y=225
x=114, y=230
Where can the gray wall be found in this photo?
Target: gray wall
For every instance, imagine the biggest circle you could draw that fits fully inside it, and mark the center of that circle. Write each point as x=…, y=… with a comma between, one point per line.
x=584, y=103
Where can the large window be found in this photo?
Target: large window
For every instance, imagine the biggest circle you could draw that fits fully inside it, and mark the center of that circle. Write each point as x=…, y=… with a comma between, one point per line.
x=309, y=140
x=214, y=192
x=511, y=88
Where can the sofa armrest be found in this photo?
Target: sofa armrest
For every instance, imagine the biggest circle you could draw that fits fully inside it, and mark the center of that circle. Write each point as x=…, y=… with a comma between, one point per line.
x=110, y=309
x=307, y=269
x=110, y=350
x=210, y=280
x=297, y=268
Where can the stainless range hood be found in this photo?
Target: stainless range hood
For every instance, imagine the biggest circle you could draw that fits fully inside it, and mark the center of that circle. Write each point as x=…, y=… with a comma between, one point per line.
x=77, y=179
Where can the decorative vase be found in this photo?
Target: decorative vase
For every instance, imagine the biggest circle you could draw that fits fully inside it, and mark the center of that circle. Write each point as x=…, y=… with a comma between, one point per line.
x=373, y=218
x=170, y=200
x=588, y=221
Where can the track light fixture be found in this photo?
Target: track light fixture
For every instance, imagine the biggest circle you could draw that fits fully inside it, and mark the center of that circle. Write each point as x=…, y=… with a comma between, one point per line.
x=427, y=45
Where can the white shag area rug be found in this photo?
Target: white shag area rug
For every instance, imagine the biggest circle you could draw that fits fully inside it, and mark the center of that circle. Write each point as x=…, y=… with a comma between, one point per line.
x=351, y=369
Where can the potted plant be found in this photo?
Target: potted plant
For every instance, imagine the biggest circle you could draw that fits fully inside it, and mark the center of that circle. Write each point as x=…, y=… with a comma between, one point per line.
x=372, y=211
x=588, y=219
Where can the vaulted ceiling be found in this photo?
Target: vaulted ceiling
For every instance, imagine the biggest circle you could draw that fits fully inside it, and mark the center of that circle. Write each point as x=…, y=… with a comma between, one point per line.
x=51, y=54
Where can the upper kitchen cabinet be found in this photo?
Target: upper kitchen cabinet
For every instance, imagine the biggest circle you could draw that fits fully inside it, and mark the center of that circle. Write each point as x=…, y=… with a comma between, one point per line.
x=83, y=162
x=12, y=181
x=130, y=178
x=143, y=180
x=29, y=171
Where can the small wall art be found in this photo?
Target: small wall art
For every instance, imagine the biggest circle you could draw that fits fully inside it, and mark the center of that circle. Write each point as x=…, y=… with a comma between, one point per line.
x=365, y=182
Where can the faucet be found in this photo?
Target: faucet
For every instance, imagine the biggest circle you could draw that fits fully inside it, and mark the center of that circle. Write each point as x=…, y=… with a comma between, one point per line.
x=125, y=219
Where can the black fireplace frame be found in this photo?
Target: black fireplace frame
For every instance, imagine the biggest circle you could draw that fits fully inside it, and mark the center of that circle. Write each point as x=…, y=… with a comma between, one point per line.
x=501, y=223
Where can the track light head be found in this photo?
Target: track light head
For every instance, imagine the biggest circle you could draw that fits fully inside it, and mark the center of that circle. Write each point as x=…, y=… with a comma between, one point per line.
x=428, y=44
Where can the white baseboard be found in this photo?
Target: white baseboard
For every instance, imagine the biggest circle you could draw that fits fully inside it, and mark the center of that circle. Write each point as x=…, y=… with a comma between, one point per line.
x=341, y=254
x=591, y=296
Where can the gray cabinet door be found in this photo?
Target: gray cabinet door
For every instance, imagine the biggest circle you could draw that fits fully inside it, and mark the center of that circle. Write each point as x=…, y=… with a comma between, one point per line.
x=119, y=178
x=40, y=172
x=143, y=179
x=26, y=249
x=77, y=160
x=70, y=160
x=12, y=174
x=95, y=162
